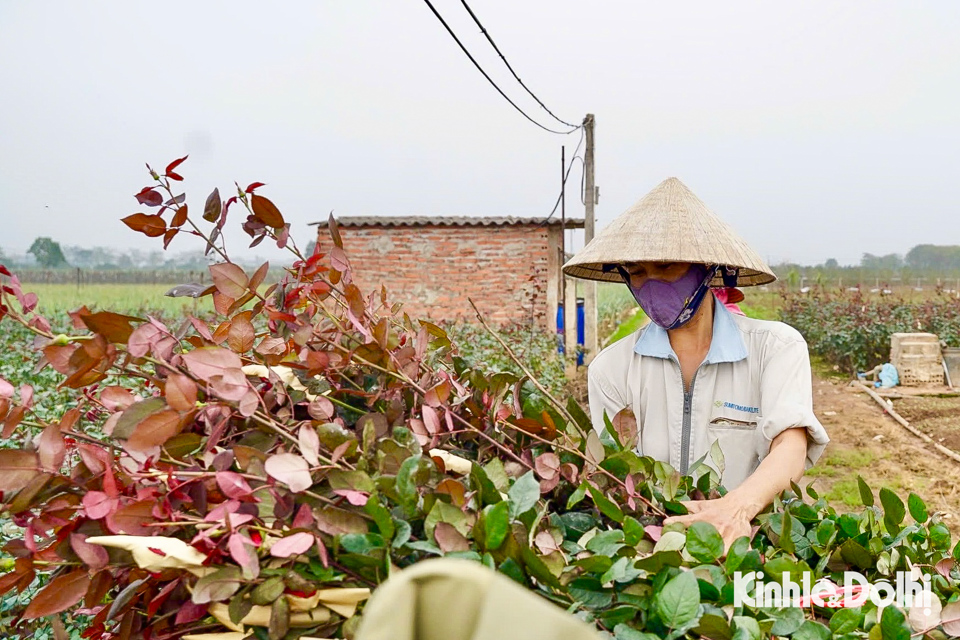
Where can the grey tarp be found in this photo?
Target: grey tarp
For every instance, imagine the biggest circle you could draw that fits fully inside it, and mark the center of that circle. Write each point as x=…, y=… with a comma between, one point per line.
x=449, y=599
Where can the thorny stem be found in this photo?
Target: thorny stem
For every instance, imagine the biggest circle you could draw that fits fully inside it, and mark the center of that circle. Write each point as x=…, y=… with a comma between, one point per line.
x=69, y=434
x=393, y=374
x=405, y=379
x=560, y=408
x=580, y=455
x=246, y=476
x=353, y=575
x=341, y=403
x=206, y=238
x=266, y=421
x=86, y=438
x=165, y=185
x=291, y=245
x=556, y=403
x=272, y=425
x=18, y=318
x=499, y=445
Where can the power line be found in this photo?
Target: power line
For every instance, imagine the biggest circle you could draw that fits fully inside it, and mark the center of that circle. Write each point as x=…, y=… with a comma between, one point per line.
x=489, y=79
x=514, y=73
x=560, y=197
x=563, y=186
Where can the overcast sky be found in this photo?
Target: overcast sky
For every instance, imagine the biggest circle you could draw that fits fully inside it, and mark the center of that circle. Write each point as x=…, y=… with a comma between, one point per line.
x=817, y=129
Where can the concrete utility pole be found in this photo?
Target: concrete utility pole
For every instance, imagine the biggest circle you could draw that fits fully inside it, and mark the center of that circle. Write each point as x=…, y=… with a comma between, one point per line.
x=590, y=342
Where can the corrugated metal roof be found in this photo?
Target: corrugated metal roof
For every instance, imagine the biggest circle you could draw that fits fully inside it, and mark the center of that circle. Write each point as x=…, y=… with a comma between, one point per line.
x=449, y=221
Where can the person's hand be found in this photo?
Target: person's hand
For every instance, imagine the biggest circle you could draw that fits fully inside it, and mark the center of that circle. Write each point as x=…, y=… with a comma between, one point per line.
x=730, y=515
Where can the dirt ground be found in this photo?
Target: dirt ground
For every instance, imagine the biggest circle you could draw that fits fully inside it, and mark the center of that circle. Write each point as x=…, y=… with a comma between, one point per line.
x=867, y=441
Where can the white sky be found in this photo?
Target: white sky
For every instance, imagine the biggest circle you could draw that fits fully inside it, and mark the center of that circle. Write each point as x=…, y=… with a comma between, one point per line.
x=817, y=129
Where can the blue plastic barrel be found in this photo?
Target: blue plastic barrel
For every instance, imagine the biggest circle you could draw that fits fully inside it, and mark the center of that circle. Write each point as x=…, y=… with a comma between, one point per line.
x=581, y=330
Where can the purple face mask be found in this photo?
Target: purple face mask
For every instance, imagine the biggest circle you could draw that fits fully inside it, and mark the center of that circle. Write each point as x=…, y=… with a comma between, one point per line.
x=673, y=304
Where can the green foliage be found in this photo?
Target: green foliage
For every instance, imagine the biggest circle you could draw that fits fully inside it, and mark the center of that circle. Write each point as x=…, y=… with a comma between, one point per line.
x=536, y=348
x=48, y=253
x=134, y=299
x=853, y=331
x=930, y=256
x=18, y=366
x=633, y=322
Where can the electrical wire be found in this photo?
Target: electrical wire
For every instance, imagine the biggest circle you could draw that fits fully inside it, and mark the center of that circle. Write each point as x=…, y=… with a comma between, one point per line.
x=489, y=79
x=563, y=186
x=560, y=197
x=486, y=33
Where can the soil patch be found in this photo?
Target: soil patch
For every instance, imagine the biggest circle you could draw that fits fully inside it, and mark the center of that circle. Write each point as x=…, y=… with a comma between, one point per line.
x=866, y=441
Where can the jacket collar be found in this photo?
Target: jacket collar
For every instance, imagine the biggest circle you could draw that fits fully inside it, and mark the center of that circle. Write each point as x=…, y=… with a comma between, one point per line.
x=726, y=344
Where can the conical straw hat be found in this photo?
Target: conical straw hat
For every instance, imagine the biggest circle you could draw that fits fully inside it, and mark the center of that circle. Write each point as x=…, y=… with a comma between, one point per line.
x=670, y=224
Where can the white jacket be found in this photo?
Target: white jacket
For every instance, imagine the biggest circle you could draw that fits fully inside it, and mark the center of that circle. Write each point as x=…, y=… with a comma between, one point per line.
x=754, y=383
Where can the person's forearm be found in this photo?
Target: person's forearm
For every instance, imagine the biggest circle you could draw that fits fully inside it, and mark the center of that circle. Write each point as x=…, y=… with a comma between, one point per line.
x=783, y=465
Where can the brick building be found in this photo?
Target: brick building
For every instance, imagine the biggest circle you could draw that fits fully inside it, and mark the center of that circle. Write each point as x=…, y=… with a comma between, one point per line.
x=509, y=267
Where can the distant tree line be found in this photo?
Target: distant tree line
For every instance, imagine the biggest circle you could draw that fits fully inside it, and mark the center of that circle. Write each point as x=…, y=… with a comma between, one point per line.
x=45, y=253
x=925, y=265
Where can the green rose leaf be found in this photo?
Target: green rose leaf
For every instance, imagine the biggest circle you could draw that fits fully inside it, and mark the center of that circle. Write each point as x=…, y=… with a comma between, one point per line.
x=361, y=543
x=577, y=495
x=658, y=560
x=918, y=509
x=704, y=542
x=624, y=632
x=854, y=553
x=846, y=621
x=537, y=568
x=811, y=630
x=606, y=506
x=524, y=493
x=381, y=516
x=787, y=621
x=606, y=543
x=826, y=530
x=786, y=534
x=632, y=530
x=715, y=627
x=404, y=531
x=487, y=489
x=738, y=551
x=940, y=536
x=746, y=628
x=496, y=524
x=866, y=495
x=893, y=510
x=406, y=487
x=893, y=625
x=621, y=571
x=679, y=601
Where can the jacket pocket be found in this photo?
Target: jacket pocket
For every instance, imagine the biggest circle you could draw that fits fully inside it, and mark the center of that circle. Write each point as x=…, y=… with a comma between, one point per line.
x=722, y=422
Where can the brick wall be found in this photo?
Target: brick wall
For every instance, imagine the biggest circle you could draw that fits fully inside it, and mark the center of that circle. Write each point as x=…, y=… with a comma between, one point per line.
x=434, y=269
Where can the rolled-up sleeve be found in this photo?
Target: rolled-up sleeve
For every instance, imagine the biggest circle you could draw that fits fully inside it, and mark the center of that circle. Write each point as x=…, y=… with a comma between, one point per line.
x=603, y=396
x=786, y=396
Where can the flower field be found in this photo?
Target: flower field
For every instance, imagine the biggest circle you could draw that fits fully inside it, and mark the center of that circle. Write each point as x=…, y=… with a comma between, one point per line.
x=258, y=468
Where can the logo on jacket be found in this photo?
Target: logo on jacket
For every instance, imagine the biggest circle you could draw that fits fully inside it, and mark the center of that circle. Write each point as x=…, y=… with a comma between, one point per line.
x=736, y=407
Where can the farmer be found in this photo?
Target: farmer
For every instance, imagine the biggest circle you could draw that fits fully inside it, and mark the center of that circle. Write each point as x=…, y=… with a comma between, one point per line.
x=698, y=375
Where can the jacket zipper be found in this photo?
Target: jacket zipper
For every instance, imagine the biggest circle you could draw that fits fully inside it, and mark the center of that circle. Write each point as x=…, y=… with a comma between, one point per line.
x=687, y=420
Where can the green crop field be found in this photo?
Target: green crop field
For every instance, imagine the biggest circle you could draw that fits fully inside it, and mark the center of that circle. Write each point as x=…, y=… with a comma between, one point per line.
x=122, y=298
